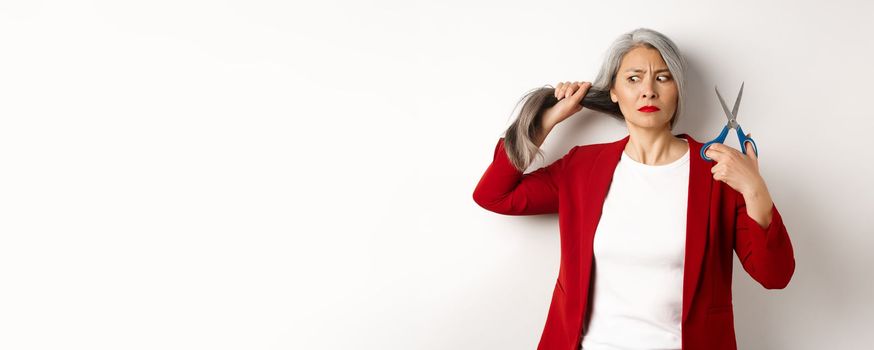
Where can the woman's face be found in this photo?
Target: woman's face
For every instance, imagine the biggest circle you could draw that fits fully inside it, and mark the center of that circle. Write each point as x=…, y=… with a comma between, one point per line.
x=643, y=79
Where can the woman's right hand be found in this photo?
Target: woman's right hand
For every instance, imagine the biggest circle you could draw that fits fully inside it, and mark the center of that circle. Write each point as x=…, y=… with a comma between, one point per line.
x=569, y=95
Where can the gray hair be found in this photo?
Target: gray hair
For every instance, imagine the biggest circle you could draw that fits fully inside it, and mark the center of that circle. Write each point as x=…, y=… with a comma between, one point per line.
x=518, y=139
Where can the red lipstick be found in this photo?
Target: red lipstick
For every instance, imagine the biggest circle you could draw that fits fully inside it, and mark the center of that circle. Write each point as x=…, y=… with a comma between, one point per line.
x=648, y=109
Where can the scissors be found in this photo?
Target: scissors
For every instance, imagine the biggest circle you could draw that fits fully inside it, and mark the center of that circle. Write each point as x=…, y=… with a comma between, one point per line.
x=732, y=124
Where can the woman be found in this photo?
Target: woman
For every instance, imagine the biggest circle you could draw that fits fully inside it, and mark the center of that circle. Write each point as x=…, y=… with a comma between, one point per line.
x=647, y=226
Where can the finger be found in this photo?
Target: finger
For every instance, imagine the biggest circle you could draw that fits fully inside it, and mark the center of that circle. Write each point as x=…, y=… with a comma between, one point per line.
x=717, y=176
x=715, y=152
x=581, y=91
x=570, y=90
x=564, y=88
x=558, y=89
x=751, y=151
x=715, y=168
x=578, y=95
x=726, y=151
x=717, y=173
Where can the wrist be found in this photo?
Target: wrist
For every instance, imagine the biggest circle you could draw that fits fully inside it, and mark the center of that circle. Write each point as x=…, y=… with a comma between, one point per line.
x=546, y=123
x=759, y=189
x=758, y=201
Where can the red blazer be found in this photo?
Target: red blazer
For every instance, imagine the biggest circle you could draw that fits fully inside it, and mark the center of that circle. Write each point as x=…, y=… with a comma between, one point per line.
x=575, y=186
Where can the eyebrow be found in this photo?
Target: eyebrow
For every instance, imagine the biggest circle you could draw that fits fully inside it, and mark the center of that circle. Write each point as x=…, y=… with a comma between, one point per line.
x=638, y=70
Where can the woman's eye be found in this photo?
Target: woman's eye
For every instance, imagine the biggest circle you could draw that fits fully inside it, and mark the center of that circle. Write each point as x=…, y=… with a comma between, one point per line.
x=666, y=78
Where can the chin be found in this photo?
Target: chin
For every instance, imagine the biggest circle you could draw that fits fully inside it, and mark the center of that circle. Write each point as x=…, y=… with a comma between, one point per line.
x=650, y=121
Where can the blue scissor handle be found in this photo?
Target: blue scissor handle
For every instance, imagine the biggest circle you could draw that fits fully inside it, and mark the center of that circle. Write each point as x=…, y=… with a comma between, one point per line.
x=743, y=139
x=721, y=139
x=718, y=139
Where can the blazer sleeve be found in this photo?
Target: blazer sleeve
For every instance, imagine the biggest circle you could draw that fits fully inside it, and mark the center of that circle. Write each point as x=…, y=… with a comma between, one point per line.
x=504, y=189
x=766, y=253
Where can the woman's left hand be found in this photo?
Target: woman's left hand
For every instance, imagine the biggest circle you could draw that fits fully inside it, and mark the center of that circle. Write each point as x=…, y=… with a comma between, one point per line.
x=741, y=172
x=738, y=170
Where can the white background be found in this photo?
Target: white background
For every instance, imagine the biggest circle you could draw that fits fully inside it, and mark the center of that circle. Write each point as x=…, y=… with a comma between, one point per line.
x=275, y=175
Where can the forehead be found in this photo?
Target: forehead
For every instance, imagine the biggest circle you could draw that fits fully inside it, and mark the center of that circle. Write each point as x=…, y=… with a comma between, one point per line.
x=642, y=59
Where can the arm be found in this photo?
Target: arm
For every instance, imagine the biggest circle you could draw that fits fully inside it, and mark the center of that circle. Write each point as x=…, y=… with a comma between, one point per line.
x=765, y=252
x=504, y=189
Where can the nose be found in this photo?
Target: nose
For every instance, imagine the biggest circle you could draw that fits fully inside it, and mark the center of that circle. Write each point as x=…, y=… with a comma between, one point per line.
x=649, y=90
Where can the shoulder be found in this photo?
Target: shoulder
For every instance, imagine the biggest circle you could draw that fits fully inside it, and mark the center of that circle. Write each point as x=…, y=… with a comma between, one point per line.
x=582, y=154
x=594, y=148
x=600, y=147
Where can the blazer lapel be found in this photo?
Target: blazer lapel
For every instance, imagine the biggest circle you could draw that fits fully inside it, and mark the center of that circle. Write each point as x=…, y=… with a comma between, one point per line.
x=696, y=215
x=697, y=219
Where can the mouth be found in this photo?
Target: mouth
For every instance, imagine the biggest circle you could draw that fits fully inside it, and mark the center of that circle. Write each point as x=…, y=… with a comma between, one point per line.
x=648, y=109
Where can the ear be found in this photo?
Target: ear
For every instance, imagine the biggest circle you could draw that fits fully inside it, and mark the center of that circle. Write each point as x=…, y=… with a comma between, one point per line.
x=613, y=96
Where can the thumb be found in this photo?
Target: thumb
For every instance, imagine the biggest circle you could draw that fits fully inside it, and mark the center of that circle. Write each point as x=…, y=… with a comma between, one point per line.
x=751, y=152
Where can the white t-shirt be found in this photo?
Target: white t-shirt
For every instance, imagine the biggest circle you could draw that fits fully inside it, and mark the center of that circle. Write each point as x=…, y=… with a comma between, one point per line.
x=639, y=250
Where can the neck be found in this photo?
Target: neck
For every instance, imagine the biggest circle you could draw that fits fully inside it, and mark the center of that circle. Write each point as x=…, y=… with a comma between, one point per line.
x=654, y=147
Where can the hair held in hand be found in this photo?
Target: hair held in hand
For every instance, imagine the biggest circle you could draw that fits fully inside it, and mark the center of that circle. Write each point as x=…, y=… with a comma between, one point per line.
x=519, y=136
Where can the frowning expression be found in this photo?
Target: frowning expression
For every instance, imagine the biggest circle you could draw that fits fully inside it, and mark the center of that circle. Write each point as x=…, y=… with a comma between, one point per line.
x=643, y=79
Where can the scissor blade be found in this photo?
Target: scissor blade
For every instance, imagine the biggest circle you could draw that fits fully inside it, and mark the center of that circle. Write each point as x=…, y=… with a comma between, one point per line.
x=724, y=107
x=737, y=102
